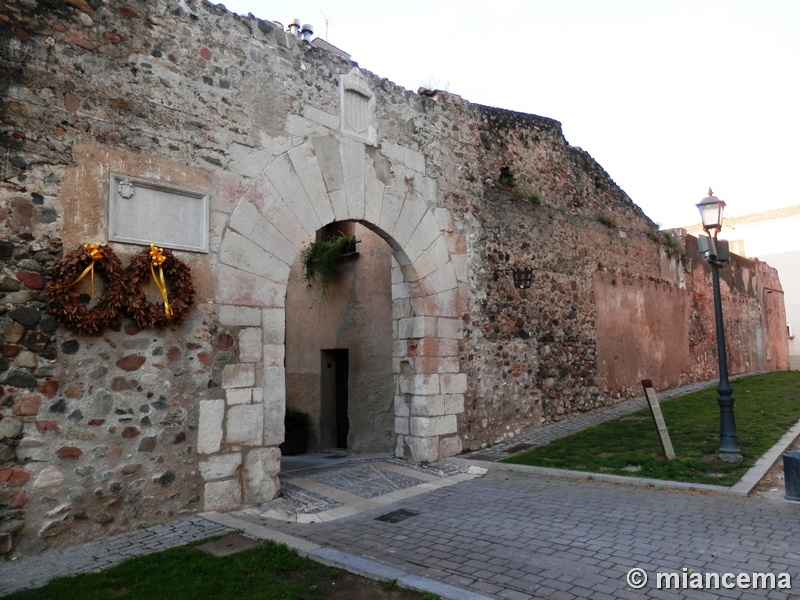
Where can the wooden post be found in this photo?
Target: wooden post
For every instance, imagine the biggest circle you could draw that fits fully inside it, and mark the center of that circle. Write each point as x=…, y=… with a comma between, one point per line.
x=655, y=410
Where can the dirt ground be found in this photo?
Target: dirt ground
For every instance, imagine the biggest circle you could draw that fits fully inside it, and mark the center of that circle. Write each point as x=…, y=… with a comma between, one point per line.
x=353, y=587
x=773, y=484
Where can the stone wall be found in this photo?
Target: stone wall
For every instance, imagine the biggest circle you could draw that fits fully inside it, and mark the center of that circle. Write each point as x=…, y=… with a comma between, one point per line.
x=133, y=426
x=613, y=301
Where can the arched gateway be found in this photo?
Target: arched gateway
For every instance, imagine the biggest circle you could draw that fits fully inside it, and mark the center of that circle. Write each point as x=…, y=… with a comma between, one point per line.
x=232, y=142
x=323, y=180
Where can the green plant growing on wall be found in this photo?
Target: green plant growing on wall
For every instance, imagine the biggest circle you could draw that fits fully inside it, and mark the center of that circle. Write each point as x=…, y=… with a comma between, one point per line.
x=434, y=83
x=672, y=240
x=506, y=179
x=608, y=221
x=674, y=243
x=321, y=259
x=522, y=194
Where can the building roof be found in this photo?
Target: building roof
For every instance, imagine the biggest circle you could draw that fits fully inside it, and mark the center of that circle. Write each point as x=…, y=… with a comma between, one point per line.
x=775, y=214
x=320, y=43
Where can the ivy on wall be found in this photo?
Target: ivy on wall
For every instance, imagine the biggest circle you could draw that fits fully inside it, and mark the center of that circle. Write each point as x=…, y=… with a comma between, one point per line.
x=321, y=259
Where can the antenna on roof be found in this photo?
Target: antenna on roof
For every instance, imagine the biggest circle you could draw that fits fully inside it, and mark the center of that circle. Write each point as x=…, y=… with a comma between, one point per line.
x=326, y=24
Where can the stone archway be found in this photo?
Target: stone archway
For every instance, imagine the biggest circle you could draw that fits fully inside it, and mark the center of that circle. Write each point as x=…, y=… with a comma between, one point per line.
x=326, y=179
x=339, y=345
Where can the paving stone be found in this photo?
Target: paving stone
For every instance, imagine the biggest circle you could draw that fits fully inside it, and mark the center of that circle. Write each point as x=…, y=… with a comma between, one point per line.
x=94, y=556
x=550, y=515
x=513, y=535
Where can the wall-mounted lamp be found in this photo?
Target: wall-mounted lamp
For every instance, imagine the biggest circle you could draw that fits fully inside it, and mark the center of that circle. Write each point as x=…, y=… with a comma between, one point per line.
x=523, y=278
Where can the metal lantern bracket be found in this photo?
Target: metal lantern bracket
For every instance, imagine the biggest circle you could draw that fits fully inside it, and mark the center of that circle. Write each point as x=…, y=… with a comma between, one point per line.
x=715, y=250
x=352, y=251
x=523, y=278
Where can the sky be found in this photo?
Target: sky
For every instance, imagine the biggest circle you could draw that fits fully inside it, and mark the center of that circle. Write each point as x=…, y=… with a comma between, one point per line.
x=671, y=97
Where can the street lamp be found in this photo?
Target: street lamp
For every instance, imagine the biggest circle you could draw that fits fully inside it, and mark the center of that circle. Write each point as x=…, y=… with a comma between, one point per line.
x=716, y=252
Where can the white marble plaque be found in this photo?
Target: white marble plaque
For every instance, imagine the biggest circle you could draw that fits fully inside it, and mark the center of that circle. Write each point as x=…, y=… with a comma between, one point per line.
x=143, y=212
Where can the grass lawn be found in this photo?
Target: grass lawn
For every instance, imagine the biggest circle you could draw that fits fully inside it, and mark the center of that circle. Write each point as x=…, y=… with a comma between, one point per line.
x=766, y=406
x=270, y=571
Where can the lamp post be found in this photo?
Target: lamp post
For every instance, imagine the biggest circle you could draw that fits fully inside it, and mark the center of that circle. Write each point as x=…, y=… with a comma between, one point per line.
x=716, y=252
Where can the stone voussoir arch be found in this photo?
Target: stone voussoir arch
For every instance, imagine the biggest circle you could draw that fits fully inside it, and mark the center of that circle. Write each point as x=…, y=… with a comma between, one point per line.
x=323, y=180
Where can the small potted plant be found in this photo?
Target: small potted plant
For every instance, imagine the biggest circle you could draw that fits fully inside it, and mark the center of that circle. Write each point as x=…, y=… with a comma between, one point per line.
x=321, y=259
x=297, y=424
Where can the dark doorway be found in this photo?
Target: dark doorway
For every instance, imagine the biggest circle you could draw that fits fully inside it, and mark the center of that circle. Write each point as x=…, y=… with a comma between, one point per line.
x=335, y=384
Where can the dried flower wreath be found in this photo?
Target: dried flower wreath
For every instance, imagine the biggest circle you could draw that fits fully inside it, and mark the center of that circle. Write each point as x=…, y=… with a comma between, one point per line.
x=122, y=293
x=172, y=277
x=64, y=300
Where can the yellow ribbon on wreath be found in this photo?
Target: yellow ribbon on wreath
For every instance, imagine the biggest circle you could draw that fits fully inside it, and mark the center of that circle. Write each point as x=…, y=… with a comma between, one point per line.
x=95, y=253
x=157, y=259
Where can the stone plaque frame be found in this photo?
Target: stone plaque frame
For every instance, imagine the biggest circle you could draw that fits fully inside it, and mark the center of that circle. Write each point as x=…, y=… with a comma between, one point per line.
x=357, y=107
x=144, y=212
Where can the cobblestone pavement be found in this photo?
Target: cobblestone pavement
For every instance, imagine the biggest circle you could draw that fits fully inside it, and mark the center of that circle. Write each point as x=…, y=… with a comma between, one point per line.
x=519, y=536
x=353, y=485
x=506, y=535
x=100, y=554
